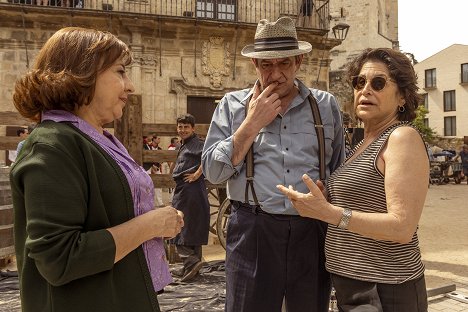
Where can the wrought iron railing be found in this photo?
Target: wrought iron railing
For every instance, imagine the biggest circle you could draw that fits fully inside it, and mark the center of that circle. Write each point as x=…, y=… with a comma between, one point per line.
x=307, y=13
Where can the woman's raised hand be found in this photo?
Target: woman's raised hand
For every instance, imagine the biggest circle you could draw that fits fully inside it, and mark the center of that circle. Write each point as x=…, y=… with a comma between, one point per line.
x=310, y=204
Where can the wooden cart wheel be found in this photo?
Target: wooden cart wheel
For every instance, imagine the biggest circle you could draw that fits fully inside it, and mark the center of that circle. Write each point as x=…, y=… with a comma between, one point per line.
x=213, y=203
x=219, y=195
x=222, y=221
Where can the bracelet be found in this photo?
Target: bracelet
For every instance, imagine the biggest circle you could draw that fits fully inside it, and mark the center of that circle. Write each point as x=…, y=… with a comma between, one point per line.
x=345, y=217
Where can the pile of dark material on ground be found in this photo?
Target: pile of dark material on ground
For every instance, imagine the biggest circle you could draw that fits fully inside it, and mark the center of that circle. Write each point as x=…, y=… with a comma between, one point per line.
x=206, y=292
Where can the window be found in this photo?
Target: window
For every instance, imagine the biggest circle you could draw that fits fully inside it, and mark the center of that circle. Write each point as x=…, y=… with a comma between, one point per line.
x=217, y=9
x=449, y=101
x=426, y=101
x=430, y=78
x=464, y=73
x=450, y=126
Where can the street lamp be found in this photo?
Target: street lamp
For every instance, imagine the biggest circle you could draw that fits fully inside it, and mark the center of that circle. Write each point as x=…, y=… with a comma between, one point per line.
x=340, y=31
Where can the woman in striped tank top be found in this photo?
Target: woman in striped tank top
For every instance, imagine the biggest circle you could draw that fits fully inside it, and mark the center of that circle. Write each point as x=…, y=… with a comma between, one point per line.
x=375, y=199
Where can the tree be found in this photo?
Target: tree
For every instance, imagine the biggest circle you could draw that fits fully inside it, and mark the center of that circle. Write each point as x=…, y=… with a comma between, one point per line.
x=411, y=57
x=427, y=132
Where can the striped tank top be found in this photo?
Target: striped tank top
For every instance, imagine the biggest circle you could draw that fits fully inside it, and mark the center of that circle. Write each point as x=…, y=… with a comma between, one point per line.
x=358, y=185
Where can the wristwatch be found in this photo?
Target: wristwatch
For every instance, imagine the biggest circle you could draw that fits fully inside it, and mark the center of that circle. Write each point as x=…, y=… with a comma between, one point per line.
x=345, y=217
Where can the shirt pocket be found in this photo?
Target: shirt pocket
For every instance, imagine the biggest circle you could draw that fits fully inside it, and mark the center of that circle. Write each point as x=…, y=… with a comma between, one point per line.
x=308, y=129
x=306, y=137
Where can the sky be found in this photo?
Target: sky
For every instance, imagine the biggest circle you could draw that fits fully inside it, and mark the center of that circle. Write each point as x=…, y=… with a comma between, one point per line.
x=426, y=27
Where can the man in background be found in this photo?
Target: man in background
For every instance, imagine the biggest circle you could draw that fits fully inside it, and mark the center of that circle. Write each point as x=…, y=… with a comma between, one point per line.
x=175, y=144
x=23, y=133
x=191, y=197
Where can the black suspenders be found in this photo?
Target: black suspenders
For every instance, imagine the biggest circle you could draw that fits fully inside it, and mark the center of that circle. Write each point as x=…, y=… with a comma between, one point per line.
x=249, y=158
x=320, y=136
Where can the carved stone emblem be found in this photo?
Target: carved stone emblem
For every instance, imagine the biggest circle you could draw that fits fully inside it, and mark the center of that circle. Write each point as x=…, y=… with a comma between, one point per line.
x=145, y=59
x=216, y=61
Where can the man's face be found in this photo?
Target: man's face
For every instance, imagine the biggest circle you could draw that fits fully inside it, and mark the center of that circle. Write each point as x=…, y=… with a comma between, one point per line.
x=185, y=131
x=281, y=70
x=25, y=134
x=156, y=140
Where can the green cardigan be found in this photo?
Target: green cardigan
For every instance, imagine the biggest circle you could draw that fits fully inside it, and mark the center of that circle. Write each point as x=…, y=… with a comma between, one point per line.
x=66, y=191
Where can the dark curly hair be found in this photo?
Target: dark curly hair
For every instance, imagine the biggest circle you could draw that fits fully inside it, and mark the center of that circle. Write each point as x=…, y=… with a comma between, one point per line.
x=401, y=71
x=186, y=119
x=65, y=71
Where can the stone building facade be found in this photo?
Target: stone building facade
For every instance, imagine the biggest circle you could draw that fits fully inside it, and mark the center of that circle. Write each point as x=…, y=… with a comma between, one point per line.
x=373, y=24
x=183, y=51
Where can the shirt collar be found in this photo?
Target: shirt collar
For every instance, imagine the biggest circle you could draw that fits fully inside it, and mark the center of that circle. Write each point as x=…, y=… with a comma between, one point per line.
x=105, y=138
x=189, y=138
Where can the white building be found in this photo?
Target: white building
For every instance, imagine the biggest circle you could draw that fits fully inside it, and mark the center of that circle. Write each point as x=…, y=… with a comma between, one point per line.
x=443, y=79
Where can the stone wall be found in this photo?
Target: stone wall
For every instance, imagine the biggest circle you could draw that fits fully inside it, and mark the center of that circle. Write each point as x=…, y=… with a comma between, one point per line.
x=373, y=23
x=342, y=91
x=174, y=58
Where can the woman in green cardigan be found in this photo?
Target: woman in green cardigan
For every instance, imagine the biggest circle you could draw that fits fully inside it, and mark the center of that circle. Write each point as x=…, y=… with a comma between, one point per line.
x=87, y=236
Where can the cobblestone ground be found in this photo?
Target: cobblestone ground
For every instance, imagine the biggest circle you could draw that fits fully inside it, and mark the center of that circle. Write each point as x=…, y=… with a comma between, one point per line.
x=443, y=236
x=206, y=293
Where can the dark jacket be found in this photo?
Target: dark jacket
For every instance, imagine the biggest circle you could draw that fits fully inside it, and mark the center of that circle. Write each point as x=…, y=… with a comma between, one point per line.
x=191, y=198
x=66, y=191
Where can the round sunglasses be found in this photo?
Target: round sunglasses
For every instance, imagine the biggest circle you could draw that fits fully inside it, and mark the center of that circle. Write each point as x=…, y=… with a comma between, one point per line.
x=377, y=83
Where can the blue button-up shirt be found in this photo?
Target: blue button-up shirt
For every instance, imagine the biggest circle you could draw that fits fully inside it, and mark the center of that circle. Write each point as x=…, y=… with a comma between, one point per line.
x=283, y=151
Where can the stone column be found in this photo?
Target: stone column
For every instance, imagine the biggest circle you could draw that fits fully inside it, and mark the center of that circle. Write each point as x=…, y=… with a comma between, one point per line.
x=137, y=49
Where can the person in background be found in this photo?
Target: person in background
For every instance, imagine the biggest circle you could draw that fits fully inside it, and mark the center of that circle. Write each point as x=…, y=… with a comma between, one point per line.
x=23, y=133
x=87, y=236
x=148, y=146
x=272, y=253
x=430, y=153
x=155, y=140
x=463, y=157
x=376, y=198
x=146, y=143
x=191, y=197
x=175, y=144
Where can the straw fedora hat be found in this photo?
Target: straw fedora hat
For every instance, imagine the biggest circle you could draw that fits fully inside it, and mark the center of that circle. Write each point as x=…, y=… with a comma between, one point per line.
x=276, y=40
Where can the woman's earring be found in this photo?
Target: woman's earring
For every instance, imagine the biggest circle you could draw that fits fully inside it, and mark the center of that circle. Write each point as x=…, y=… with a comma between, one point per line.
x=401, y=109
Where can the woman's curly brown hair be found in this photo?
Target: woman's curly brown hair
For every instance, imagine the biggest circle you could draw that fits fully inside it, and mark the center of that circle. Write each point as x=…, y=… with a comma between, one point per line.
x=401, y=71
x=65, y=71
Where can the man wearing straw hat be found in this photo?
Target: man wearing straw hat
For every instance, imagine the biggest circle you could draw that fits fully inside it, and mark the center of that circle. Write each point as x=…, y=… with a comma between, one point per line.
x=262, y=137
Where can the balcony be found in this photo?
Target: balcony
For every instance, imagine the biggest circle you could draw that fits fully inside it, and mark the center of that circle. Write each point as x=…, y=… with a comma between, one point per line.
x=312, y=14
